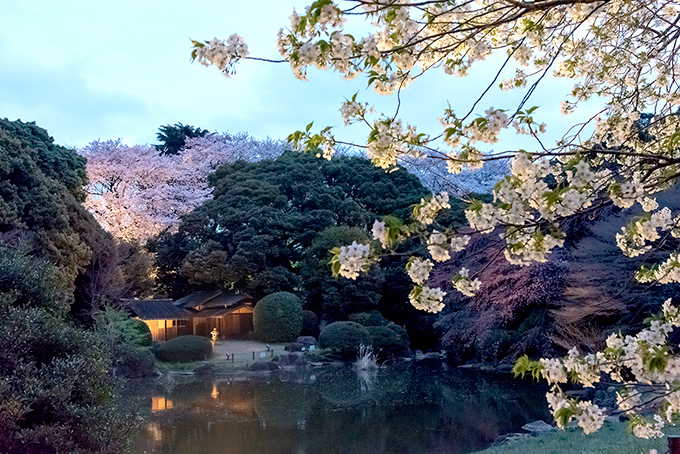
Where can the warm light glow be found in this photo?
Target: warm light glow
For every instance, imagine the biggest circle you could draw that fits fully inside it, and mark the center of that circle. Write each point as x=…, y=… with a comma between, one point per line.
x=160, y=403
x=155, y=432
x=214, y=393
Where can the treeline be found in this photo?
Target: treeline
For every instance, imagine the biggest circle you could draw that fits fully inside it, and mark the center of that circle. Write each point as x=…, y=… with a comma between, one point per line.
x=56, y=266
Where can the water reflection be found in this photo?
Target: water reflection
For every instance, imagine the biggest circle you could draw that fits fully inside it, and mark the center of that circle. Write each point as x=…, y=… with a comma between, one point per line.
x=335, y=410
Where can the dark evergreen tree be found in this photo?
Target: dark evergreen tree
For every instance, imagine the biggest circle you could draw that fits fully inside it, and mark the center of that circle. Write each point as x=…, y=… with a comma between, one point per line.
x=40, y=204
x=253, y=234
x=173, y=137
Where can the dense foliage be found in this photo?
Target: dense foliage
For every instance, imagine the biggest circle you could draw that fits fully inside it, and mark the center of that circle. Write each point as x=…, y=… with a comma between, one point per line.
x=41, y=191
x=371, y=318
x=128, y=340
x=334, y=298
x=56, y=394
x=344, y=338
x=263, y=216
x=278, y=317
x=184, y=349
x=310, y=324
x=387, y=343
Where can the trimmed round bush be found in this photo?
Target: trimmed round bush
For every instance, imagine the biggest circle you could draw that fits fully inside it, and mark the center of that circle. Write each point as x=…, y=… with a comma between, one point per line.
x=183, y=349
x=278, y=318
x=310, y=324
x=344, y=338
x=386, y=342
x=401, y=331
x=370, y=318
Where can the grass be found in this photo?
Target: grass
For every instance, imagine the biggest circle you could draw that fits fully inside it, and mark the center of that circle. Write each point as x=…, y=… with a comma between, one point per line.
x=610, y=439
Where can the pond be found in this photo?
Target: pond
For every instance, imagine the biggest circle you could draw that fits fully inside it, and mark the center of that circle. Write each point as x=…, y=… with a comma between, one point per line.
x=401, y=409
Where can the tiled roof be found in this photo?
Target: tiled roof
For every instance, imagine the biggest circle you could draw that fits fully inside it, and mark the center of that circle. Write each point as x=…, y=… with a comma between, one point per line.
x=157, y=310
x=213, y=298
x=196, y=299
x=216, y=311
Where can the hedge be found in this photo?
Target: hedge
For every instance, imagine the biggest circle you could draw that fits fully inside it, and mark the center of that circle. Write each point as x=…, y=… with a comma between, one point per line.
x=183, y=349
x=278, y=318
x=344, y=338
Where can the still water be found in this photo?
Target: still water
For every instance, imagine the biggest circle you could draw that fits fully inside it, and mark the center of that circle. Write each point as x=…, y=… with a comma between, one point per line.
x=401, y=409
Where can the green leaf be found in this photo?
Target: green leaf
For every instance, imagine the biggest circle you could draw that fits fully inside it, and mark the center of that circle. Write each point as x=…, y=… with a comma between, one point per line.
x=521, y=366
x=563, y=415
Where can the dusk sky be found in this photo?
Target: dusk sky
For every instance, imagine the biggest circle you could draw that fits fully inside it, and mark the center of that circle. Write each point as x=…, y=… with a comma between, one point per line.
x=88, y=70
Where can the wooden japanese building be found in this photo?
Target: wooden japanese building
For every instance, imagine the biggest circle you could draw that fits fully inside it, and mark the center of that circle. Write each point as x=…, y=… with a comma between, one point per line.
x=228, y=313
x=164, y=319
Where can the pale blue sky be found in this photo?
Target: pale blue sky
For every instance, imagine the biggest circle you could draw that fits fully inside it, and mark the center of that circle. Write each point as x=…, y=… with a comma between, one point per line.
x=87, y=70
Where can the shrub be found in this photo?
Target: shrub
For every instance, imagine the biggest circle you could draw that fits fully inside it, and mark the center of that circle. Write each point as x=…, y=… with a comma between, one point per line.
x=495, y=344
x=128, y=339
x=386, y=342
x=142, y=329
x=278, y=318
x=184, y=349
x=370, y=318
x=136, y=364
x=401, y=331
x=57, y=395
x=344, y=338
x=310, y=324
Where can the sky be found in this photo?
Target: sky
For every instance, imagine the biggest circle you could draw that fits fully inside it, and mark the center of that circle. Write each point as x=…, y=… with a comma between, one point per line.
x=89, y=70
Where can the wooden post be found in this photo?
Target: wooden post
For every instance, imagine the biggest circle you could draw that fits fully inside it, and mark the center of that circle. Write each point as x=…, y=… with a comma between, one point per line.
x=674, y=444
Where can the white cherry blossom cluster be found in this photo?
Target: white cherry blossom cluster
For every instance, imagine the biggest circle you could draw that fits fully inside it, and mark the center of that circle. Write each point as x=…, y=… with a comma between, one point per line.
x=589, y=416
x=353, y=259
x=389, y=141
x=644, y=356
x=486, y=129
x=634, y=237
x=464, y=284
x=380, y=233
x=483, y=219
x=625, y=195
x=665, y=272
x=438, y=247
x=418, y=269
x=221, y=54
x=586, y=368
x=553, y=371
x=427, y=210
x=530, y=245
x=353, y=111
x=647, y=429
x=427, y=299
x=330, y=15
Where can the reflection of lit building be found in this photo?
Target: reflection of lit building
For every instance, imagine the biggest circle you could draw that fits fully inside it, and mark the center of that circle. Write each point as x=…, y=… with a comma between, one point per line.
x=233, y=399
x=155, y=431
x=160, y=403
